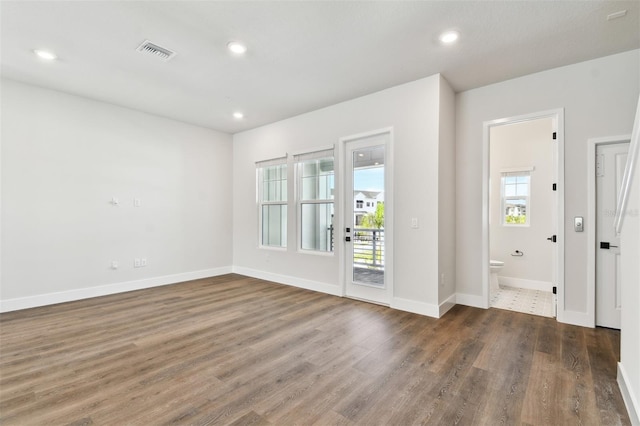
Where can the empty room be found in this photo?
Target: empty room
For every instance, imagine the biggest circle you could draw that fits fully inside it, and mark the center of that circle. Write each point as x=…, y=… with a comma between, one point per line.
x=319, y=212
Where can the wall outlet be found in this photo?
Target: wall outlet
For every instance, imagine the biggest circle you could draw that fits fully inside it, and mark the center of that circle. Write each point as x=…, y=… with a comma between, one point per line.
x=143, y=262
x=136, y=262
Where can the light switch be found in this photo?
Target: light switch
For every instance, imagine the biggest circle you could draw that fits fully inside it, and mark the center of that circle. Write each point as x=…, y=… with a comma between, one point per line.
x=578, y=224
x=414, y=222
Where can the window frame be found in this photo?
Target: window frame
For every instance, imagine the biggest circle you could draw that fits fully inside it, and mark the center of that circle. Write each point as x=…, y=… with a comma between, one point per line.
x=515, y=173
x=261, y=166
x=299, y=161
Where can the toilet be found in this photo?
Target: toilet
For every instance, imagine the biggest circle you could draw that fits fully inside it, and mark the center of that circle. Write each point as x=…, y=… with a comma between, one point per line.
x=494, y=267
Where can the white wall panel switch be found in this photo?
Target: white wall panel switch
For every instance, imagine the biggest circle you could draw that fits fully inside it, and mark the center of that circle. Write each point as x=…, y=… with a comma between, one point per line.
x=136, y=263
x=115, y=201
x=414, y=222
x=114, y=264
x=137, y=202
x=143, y=261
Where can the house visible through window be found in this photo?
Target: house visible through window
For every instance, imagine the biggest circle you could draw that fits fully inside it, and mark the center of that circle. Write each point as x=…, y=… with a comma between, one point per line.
x=272, y=200
x=359, y=204
x=515, y=198
x=316, y=181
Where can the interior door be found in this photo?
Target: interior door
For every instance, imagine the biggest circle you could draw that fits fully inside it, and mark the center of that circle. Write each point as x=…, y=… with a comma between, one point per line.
x=610, y=164
x=365, y=243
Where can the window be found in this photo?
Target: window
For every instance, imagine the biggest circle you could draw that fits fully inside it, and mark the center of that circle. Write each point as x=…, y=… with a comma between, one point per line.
x=515, y=198
x=272, y=202
x=359, y=204
x=316, y=182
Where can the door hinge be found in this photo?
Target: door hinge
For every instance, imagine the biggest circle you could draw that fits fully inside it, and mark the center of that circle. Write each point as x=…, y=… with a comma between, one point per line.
x=555, y=136
x=555, y=290
x=554, y=187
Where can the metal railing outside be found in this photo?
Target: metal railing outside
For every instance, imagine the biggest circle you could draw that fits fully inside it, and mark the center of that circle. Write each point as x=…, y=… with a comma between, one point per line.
x=368, y=248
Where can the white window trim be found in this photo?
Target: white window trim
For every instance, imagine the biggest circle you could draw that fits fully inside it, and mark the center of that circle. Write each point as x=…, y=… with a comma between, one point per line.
x=298, y=159
x=260, y=166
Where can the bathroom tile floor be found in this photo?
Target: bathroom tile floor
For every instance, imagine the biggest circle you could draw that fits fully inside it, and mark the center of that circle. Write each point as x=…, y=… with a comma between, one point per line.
x=534, y=302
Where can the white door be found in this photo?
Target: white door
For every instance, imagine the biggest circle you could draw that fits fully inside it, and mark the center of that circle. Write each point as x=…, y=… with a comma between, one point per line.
x=365, y=243
x=610, y=163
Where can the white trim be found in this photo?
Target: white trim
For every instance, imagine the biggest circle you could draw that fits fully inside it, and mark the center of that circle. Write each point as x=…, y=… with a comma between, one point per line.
x=472, y=300
x=415, y=307
x=590, y=220
x=318, y=286
x=524, y=283
x=557, y=116
x=104, y=290
x=318, y=150
x=629, y=170
x=517, y=169
x=630, y=400
x=447, y=304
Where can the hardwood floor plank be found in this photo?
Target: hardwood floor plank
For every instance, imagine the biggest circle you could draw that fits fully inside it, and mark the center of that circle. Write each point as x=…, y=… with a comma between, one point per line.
x=239, y=350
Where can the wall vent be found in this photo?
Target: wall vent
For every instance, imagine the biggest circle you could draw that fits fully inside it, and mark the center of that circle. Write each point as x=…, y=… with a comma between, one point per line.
x=153, y=49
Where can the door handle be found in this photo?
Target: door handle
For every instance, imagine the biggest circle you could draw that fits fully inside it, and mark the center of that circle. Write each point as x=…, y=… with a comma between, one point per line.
x=605, y=245
x=552, y=238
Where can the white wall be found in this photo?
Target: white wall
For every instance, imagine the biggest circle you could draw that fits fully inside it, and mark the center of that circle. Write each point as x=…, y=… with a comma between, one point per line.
x=598, y=98
x=413, y=111
x=629, y=368
x=526, y=144
x=447, y=194
x=64, y=157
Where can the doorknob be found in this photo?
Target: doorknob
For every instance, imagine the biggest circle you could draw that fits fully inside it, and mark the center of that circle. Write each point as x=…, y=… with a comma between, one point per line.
x=552, y=238
x=606, y=245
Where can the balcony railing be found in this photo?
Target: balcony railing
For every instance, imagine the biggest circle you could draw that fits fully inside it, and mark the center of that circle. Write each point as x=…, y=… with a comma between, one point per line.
x=368, y=248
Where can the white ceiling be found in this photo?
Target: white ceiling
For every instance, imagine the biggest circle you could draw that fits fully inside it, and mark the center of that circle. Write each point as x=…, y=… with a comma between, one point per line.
x=302, y=55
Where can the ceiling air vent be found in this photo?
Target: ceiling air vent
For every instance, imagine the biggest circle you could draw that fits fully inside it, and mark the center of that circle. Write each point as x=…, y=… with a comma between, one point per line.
x=158, y=51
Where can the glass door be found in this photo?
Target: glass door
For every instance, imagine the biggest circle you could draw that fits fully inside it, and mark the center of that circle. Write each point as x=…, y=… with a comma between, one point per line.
x=365, y=245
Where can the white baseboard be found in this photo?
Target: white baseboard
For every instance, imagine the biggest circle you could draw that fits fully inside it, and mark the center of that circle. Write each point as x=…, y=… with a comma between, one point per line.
x=321, y=287
x=449, y=303
x=415, y=307
x=104, y=290
x=471, y=300
x=523, y=283
x=629, y=397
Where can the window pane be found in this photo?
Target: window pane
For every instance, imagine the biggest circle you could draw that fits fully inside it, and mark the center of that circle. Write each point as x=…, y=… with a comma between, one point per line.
x=274, y=185
x=274, y=225
x=317, y=179
x=509, y=190
x=317, y=227
x=509, y=179
x=522, y=189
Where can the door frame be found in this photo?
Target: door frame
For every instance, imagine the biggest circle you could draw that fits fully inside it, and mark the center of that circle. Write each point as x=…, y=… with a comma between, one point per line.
x=590, y=220
x=388, y=208
x=557, y=115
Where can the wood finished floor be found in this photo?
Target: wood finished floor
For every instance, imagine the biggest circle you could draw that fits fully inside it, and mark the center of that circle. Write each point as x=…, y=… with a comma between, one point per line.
x=242, y=351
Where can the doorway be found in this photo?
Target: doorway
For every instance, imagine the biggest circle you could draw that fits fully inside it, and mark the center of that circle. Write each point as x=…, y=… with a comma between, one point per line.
x=366, y=217
x=514, y=214
x=607, y=160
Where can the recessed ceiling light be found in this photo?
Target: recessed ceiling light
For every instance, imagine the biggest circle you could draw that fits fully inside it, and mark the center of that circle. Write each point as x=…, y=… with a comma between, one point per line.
x=238, y=115
x=45, y=54
x=236, y=47
x=449, y=37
